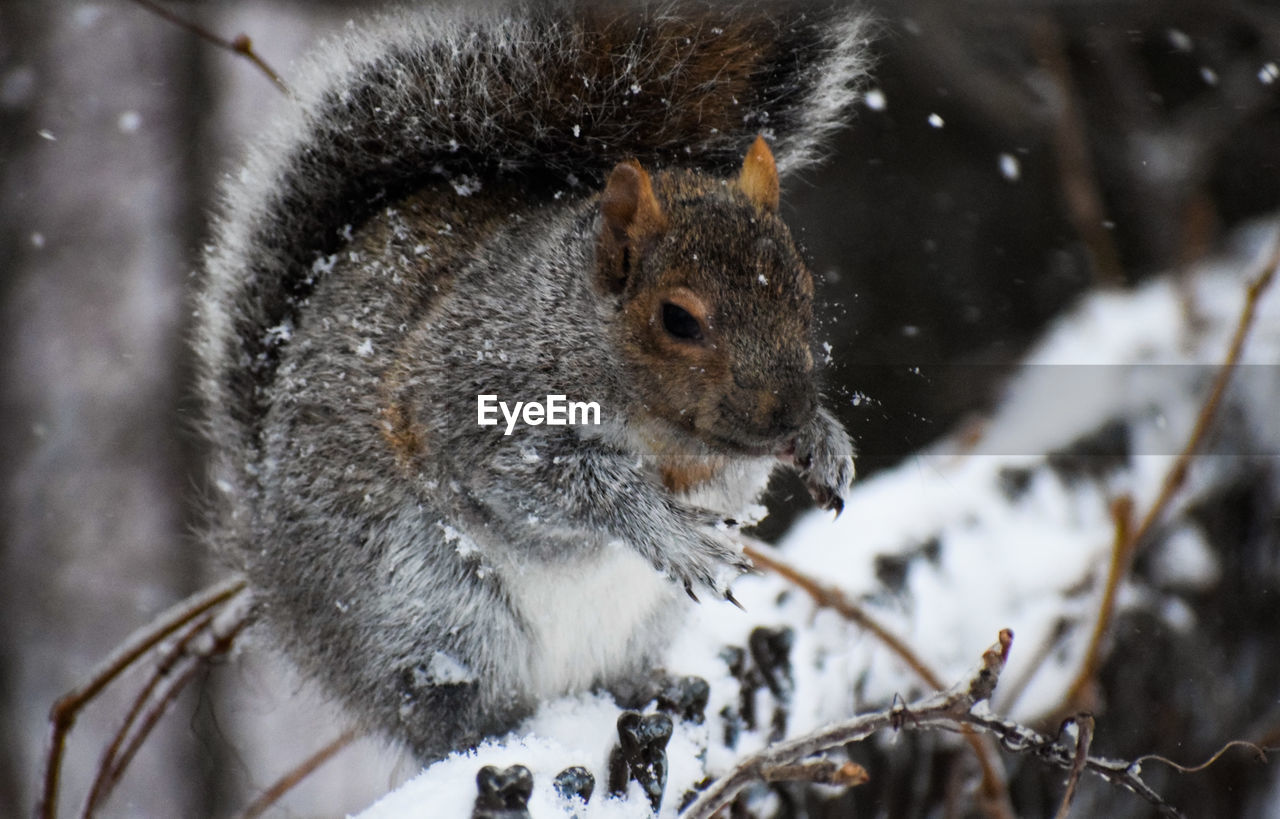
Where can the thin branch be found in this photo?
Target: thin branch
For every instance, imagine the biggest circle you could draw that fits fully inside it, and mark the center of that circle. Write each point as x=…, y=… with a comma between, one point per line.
x=287, y=782
x=1122, y=551
x=1076, y=171
x=1019, y=739
x=97, y=791
x=820, y=771
x=1084, y=738
x=1260, y=751
x=948, y=710
x=240, y=45
x=952, y=710
x=829, y=597
x=107, y=779
x=995, y=791
x=63, y=714
x=1012, y=690
x=1177, y=474
x=180, y=670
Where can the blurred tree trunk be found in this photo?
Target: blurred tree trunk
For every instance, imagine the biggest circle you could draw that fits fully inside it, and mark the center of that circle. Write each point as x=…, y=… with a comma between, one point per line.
x=97, y=234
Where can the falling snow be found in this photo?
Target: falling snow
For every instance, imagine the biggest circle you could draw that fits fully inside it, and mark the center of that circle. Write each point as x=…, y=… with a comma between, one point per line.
x=1010, y=168
x=128, y=122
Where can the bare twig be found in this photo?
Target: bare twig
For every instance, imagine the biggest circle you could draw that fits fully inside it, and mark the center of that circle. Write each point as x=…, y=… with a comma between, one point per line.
x=211, y=637
x=240, y=45
x=1077, y=174
x=821, y=771
x=949, y=710
x=952, y=710
x=1084, y=738
x=108, y=777
x=174, y=684
x=1177, y=474
x=98, y=790
x=764, y=555
x=1013, y=689
x=300, y=772
x=63, y=714
x=1122, y=551
x=1258, y=750
x=1019, y=739
x=946, y=707
x=995, y=793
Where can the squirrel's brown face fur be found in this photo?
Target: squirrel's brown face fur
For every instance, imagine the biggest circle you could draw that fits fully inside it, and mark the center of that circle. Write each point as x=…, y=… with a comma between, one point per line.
x=716, y=304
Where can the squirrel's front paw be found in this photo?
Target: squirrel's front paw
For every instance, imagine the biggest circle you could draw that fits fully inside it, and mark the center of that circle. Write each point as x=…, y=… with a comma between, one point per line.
x=824, y=459
x=707, y=560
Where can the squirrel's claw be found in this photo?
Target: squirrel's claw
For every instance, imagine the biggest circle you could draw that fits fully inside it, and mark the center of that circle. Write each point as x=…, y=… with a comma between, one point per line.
x=824, y=459
x=728, y=595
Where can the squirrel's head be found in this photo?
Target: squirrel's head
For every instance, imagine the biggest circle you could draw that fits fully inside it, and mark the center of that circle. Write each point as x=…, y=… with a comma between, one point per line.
x=715, y=303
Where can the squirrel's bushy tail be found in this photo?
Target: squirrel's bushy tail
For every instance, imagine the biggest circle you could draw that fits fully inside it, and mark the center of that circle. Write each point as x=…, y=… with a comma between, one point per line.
x=553, y=93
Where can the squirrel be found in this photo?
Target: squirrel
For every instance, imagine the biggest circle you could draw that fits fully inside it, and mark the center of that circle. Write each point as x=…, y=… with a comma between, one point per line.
x=524, y=202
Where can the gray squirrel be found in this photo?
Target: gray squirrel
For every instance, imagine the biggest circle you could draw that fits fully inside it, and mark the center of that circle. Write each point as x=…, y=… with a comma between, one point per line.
x=527, y=202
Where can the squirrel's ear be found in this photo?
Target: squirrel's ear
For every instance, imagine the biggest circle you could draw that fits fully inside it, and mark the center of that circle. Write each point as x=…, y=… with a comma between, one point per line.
x=633, y=220
x=759, y=176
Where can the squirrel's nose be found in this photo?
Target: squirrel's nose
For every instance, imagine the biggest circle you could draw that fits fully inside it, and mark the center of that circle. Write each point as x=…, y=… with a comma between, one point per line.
x=784, y=410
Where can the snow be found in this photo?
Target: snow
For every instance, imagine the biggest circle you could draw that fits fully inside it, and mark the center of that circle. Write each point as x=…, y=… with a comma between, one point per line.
x=1180, y=40
x=466, y=185
x=446, y=670
x=464, y=544
x=1186, y=561
x=129, y=122
x=951, y=546
x=1010, y=168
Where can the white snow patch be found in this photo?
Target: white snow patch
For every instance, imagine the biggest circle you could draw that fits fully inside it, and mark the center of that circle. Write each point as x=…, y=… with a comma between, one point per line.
x=1186, y=561
x=444, y=669
x=464, y=545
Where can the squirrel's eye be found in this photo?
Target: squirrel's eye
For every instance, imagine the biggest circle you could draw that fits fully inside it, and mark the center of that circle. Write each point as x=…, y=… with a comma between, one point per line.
x=680, y=323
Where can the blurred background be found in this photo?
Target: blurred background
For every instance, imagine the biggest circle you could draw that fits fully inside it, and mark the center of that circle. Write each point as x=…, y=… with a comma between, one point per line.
x=1010, y=157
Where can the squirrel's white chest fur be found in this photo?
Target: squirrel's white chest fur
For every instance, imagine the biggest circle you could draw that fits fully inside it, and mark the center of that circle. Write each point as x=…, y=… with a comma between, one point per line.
x=587, y=618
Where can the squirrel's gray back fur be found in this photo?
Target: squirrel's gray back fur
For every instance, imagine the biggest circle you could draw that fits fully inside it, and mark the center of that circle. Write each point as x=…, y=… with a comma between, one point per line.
x=418, y=225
